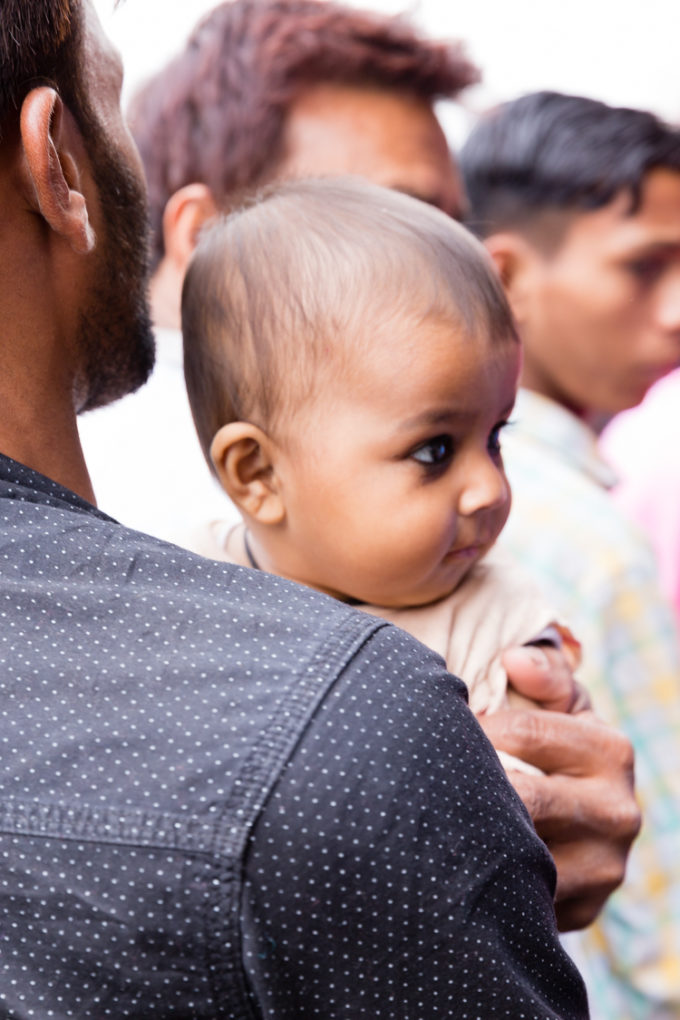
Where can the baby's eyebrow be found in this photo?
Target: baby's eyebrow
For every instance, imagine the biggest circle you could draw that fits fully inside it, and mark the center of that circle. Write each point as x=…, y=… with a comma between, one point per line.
x=438, y=417
x=435, y=417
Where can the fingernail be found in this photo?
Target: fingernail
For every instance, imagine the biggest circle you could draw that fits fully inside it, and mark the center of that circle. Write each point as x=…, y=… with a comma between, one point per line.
x=537, y=657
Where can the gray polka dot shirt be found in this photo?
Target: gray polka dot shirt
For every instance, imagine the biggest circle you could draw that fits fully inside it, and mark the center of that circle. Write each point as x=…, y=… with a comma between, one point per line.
x=223, y=795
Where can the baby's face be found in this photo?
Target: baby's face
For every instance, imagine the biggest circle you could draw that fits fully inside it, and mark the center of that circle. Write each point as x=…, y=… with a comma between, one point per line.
x=394, y=481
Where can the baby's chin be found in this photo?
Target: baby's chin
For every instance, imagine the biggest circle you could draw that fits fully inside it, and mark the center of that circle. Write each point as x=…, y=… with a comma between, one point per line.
x=413, y=598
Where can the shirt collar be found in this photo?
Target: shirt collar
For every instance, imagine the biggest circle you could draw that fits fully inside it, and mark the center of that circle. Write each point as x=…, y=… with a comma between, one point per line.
x=566, y=435
x=22, y=483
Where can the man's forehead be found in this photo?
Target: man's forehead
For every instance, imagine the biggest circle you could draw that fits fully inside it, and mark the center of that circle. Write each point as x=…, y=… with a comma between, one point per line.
x=649, y=218
x=389, y=136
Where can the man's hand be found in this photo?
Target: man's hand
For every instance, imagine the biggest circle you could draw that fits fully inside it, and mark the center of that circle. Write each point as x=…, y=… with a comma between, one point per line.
x=584, y=806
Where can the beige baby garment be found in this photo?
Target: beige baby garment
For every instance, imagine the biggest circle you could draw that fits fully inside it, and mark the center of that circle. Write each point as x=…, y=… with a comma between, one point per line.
x=494, y=608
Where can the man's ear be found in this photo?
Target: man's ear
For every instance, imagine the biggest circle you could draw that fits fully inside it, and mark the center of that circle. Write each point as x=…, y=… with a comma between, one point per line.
x=245, y=460
x=516, y=262
x=53, y=178
x=186, y=212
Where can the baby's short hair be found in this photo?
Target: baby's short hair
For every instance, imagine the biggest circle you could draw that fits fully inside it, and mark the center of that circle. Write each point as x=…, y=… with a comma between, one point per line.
x=284, y=292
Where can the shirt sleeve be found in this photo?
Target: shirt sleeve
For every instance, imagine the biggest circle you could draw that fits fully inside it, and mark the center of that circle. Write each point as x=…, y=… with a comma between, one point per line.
x=393, y=872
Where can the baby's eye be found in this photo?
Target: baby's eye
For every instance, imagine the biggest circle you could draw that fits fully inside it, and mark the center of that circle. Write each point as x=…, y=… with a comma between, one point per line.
x=435, y=452
x=494, y=443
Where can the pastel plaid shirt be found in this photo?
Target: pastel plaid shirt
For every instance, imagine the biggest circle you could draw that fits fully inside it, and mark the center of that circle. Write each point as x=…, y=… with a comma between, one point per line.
x=598, y=570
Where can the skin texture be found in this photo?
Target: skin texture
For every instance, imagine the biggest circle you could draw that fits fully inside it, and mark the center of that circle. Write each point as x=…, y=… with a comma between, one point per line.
x=392, y=138
x=64, y=346
x=370, y=453
x=600, y=315
x=114, y=332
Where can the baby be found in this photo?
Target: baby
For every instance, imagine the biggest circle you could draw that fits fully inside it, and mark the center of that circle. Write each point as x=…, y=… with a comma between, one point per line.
x=351, y=362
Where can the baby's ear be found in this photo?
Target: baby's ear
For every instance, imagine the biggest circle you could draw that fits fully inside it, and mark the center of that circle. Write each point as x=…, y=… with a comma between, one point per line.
x=245, y=460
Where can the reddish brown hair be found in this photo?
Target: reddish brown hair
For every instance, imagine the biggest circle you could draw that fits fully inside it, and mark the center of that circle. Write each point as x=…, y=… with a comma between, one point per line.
x=215, y=114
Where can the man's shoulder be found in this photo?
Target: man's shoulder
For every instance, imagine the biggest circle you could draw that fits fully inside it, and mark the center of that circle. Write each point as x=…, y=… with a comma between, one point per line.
x=118, y=595
x=569, y=532
x=548, y=474
x=560, y=500
x=76, y=535
x=144, y=637
x=59, y=542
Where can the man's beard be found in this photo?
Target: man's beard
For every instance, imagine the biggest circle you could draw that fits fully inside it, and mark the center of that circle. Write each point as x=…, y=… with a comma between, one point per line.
x=116, y=339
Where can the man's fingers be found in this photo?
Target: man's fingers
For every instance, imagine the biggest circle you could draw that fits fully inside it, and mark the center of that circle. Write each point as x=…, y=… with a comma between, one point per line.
x=588, y=824
x=565, y=809
x=575, y=745
x=582, y=805
x=577, y=912
x=588, y=865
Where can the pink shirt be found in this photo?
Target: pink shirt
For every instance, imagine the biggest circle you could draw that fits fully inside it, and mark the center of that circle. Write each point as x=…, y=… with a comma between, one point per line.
x=643, y=445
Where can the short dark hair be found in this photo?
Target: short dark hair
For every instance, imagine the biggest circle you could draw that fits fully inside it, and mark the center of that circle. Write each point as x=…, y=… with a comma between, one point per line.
x=39, y=42
x=283, y=293
x=551, y=152
x=215, y=115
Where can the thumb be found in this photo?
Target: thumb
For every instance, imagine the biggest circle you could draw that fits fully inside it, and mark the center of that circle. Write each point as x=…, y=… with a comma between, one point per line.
x=544, y=674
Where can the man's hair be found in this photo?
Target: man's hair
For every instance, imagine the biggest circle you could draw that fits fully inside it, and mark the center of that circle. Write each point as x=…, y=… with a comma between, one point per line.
x=215, y=115
x=39, y=42
x=287, y=292
x=548, y=152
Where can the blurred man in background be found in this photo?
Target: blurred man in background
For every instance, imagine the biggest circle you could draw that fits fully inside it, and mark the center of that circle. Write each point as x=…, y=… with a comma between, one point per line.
x=579, y=205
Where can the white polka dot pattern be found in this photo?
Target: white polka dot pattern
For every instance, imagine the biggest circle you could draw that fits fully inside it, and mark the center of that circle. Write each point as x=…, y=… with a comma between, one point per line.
x=226, y=796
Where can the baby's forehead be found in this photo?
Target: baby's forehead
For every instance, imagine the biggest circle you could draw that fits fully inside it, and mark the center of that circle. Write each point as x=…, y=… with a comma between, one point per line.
x=398, y=368
x=390, y=343
x=410, y=325
x=354, y=340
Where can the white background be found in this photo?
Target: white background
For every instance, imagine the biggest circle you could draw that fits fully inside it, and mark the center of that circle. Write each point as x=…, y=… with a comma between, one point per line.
x=626, y=52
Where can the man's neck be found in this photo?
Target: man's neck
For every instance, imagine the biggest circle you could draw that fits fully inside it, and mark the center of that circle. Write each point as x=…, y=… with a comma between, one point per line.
x=38, y=425
x=534, y=379
x=598, y=420
x=53, y=450
x=594, y=419
x=165, y=294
